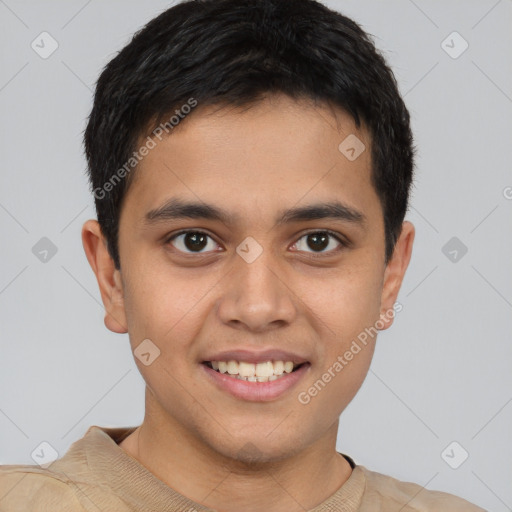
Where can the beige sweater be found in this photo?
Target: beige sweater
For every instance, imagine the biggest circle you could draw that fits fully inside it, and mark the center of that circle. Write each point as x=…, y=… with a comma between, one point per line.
x=97, y=475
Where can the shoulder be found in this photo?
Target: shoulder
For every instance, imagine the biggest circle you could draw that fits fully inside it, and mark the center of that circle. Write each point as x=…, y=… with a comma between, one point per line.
x=26, y=487
x=385, y=490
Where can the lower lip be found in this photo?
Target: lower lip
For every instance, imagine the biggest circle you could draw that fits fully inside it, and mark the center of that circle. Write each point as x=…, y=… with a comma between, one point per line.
x=256, y=391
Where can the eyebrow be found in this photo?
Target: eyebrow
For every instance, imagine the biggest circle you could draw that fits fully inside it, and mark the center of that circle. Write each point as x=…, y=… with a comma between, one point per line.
x=178, y=209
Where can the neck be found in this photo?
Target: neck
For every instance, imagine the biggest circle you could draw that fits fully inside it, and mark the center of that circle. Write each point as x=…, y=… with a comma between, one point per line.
x=193, y=468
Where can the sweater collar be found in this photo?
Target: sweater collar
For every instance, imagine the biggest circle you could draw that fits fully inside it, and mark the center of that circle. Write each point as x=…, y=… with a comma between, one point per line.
x=136, y=485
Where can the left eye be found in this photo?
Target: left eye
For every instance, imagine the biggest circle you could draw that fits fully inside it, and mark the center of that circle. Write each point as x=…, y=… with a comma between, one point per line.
x=196, y=241
x=318, y=241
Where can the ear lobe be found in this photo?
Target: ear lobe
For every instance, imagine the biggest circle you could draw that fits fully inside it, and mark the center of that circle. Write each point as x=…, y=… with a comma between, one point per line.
x=395, y=272
x=107, y=276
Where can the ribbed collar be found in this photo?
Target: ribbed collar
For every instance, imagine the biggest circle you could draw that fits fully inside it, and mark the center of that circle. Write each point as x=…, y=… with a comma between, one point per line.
x=137, y=486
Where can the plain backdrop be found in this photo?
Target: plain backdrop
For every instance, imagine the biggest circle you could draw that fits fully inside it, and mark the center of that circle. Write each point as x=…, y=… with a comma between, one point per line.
x=441, y=374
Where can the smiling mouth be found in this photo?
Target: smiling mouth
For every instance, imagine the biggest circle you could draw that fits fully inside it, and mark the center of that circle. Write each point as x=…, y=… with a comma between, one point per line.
x=250, y=372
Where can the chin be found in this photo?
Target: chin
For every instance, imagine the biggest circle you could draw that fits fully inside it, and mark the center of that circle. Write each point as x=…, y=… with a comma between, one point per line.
x=258, y=450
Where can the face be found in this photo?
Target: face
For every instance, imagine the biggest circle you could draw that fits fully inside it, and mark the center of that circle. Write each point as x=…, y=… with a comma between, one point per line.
x=259, y=270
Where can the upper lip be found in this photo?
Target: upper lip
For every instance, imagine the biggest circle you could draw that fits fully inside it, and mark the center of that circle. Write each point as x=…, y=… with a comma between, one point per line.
x=251, y=356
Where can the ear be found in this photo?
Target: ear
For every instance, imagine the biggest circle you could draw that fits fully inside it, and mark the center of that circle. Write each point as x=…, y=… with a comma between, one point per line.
x=108, y=277
x=394, y=273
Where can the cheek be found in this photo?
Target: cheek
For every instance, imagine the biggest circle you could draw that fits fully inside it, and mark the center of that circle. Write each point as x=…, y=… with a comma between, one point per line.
x=344, y=309
x=167, y=307
x=343, y=302
x=333, y=387
x=344, y=363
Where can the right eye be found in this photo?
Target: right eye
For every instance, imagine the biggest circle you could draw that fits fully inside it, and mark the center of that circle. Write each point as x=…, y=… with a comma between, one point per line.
x=190, y=240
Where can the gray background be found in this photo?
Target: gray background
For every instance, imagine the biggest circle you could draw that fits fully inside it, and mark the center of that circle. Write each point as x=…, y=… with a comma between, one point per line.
x=442, y=373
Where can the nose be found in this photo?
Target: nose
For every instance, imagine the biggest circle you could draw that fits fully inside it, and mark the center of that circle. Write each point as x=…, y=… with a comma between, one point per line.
x=256, y=295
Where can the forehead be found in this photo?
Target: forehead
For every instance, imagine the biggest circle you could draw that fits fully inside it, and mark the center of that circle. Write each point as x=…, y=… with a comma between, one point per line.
x=257, y=159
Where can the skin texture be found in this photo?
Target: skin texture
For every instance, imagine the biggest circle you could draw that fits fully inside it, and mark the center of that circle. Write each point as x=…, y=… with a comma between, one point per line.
x=253, y=162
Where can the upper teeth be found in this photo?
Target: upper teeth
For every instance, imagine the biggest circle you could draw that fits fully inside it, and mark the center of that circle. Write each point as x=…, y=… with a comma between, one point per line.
x=266, y=369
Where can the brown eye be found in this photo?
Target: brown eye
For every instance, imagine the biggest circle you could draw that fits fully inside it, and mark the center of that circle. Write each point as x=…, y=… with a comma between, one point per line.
x=318, y=241
x=192, y=242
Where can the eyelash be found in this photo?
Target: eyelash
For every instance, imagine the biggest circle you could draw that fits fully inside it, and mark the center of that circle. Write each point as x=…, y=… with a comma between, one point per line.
x=333, y=234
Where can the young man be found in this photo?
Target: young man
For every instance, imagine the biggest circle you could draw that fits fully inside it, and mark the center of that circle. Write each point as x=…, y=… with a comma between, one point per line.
x=251, y=164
